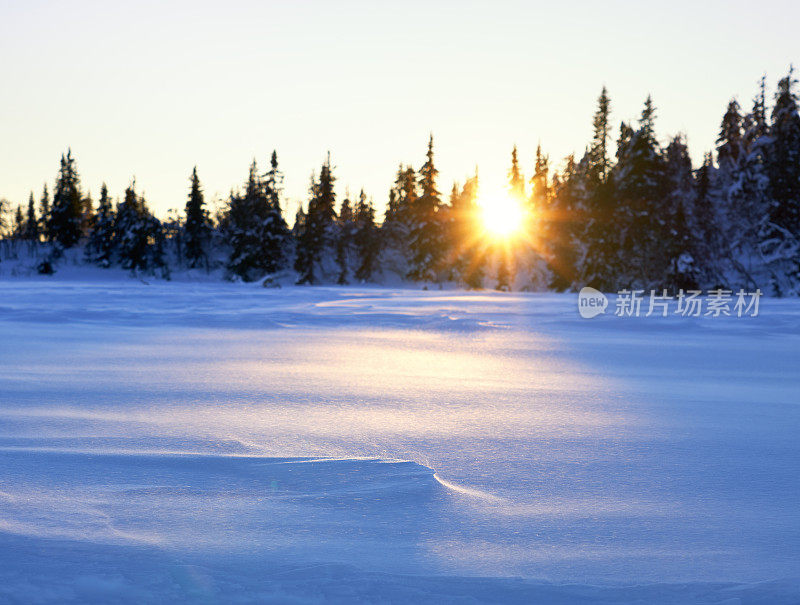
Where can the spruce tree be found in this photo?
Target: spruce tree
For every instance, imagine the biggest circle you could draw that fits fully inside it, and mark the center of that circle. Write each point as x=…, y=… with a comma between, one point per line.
x=316, y=239
x=704, y=222
x=248, y=227
x=599, y=160
x=516, y=181
x=66, y=213
x=398, y=219
x=344, y=239
x=729, y=142
x=138, y=235
x=100, y=246
x=783, y=160
x=31, y=222
x=366, y=239
x=197, y=229
x=679, y=244
x=87, y=214
x=426, y=237
x=44, y=213
x=780, y=237
x=18, y=230
x=540, y=190
x=593, y=207
x=470, y=248
x=275, y=231
x=558, y=225
x=639, y=215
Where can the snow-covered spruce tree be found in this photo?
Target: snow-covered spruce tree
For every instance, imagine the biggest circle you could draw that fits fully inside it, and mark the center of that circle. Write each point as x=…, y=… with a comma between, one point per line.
x=737, y=192
x=398, y=220
x=197, y=228
x=599, y=163
x=366, y=240
x=704, y=223
x=87, y=214
x=680, y=245
x=540, y=205
x=593, y=209
x=466, y=249
x=730, y=142
x=301, y=258
x=275, y=230
x=757, y=199
x=426, y=240
x=315, y=240
x=31, y=222
x=44, y=213
x=66, y=213
x=250, y=229
x=18, y=230
x=639, y=191
x=345, y=229
x=100, y=245
x=558, y=219
x=780, y=244
x=138, y=237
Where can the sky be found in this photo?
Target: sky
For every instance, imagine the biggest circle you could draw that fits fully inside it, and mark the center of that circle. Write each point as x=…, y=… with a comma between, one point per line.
x=151, y=89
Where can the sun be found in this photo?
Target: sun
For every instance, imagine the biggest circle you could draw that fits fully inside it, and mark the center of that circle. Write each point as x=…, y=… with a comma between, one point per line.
x=502, y=216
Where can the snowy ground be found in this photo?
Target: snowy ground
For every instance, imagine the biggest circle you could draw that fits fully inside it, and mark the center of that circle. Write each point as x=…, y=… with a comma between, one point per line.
x=223, y=443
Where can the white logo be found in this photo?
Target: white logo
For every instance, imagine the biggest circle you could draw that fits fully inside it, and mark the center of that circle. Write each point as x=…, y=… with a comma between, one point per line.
x=591, y=302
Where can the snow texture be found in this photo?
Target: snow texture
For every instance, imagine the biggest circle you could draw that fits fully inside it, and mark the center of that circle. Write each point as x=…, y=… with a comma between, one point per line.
x=211, y=442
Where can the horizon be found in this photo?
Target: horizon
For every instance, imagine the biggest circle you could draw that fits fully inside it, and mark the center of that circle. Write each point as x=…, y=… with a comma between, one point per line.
x=169, y=93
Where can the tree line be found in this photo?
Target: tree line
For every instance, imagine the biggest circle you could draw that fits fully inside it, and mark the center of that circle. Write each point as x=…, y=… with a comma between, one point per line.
x=630, y=213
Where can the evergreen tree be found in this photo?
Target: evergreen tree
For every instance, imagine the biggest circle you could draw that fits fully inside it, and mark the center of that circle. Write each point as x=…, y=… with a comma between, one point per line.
x=540, y=216
x=275, y=231
x=397, y=224
x=704, y=222
x=302, y=258
x=467, y=249
x=344, y=238
x=729, y=142
x=250, y=227
x=680, y=246
x=66, y=213
x=540, y=188
x=317, y=237
x=783, y=159
x=138, y=235
x=31, y=222
x=640, y=218
x=100, y=247
x=779, y=237
x=18, y=230
x=197, y=229
x=366, y=239
x=593, y=207
x=516, y=182
x=426, y=237
x=559, y=225
x=599, y=162
x=44, y=213
x=87, y=214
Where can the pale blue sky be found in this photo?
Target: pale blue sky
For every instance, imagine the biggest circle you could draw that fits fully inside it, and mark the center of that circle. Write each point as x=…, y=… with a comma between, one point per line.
x=152, y=88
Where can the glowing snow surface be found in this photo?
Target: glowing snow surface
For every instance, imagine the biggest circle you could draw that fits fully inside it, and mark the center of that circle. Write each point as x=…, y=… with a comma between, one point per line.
x=223, y=443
